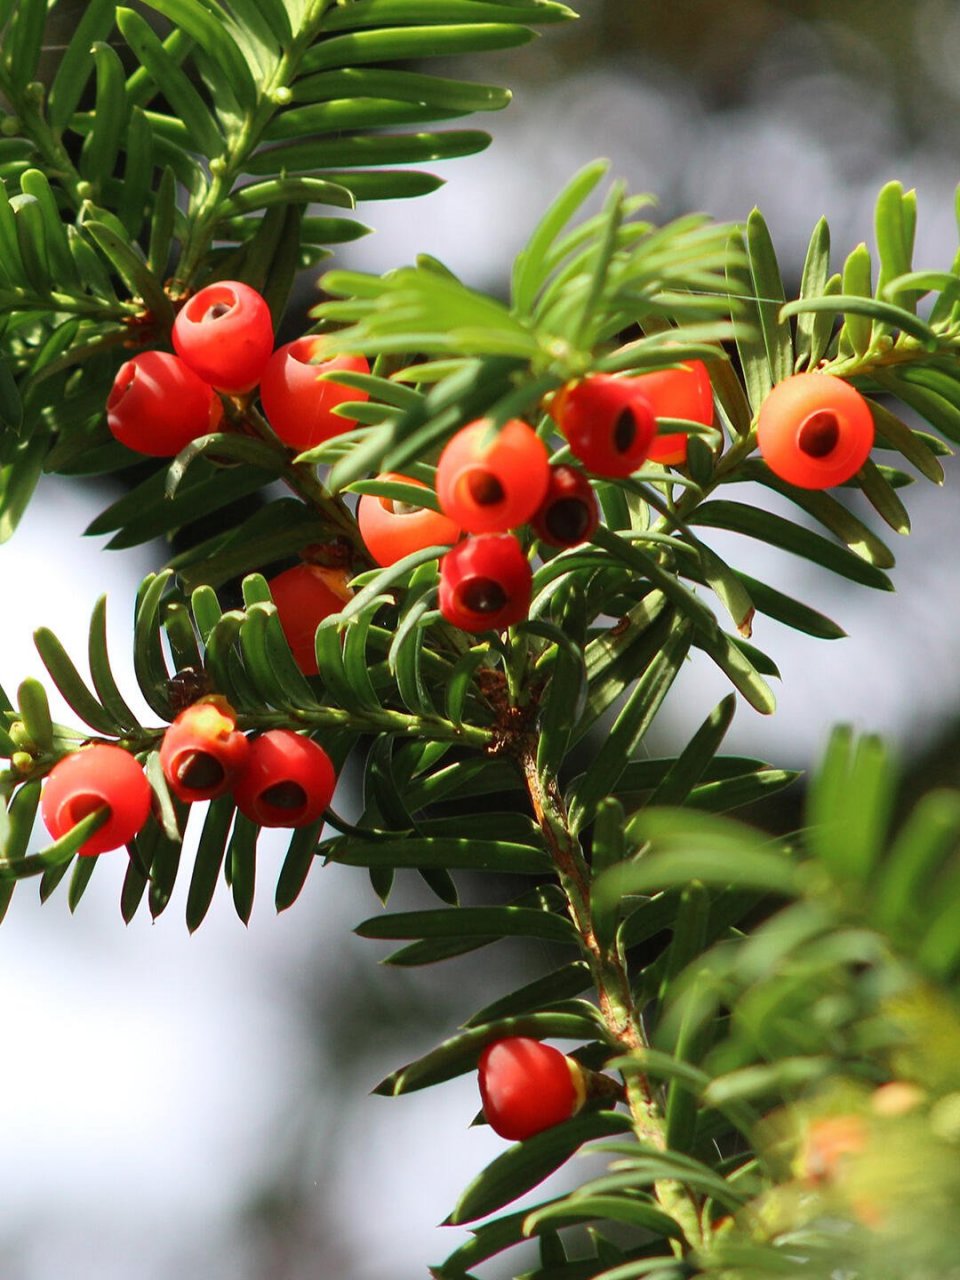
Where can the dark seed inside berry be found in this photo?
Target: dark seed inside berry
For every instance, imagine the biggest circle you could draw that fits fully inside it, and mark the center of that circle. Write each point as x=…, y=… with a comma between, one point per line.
x=483, y=595
x=217, y=311
x=200, y=771
x=284, y=795
x=567, y=520
x=624, y=431
x=398, y=508
x=819, y=434
x=484, y=488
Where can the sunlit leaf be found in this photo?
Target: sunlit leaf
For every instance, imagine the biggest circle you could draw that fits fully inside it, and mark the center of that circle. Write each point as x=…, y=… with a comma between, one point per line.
x=526, y=1164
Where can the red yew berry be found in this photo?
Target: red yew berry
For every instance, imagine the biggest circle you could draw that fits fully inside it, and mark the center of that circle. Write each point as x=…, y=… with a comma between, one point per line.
x=608, y=423
x=157, y=404
x=485, y=583
x=100, y=776
x=489, y=482
x=288, y=780
x=304, y=596
x=203, y=751
x=677, y=393
x=392, y=530
x=815, y=430
x=527, y=1086
x=225, y=334
x=569, y=513
x=297, y=403
x=669, y=449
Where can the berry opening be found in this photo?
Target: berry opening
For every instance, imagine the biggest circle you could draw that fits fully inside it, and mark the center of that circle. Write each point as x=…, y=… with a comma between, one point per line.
x=484, y=487
x=482, y=595
x=819, y=434
x=624, y=431
x=121, y=384
x=211, y=303
x=82, y=805
x=303, y=350
x=286, y=795
x=398, y=508
x=568, y=520
x=200, y=771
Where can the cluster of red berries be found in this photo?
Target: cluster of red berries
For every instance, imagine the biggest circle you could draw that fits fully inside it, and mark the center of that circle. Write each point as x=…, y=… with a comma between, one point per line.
x=611, y=422
x=277, y=779
x=491, y=482
x=223, y=339
x=814, y=430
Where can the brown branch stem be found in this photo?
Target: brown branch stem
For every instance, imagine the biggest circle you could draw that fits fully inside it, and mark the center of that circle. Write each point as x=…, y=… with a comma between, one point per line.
x=611, y=979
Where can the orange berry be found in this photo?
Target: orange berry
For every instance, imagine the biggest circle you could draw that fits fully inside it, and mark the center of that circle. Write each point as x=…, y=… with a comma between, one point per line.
x=490, y=482
x=392, y=530
x=298, y=404
x=814, y=430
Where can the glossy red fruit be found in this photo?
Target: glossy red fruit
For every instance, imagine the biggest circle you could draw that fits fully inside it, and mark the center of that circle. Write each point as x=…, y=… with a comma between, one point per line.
x=225, y=334
x=569, y=513
x=677, y=393
x=392, y=530
x=489, y=482
x=203, y=751
x=485, y=583
x=669, y=449
x=608, y=422
x=157, y=404
x=95, y=777
x=527, y=1086
x=297, y=403
x=304, y=596
x=814, y=430
x=288, y=780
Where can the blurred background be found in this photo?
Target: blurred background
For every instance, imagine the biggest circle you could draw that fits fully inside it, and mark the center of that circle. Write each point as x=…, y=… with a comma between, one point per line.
x=184, y=1106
